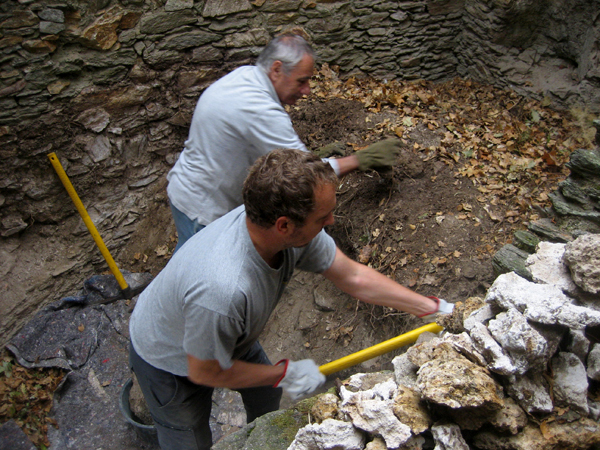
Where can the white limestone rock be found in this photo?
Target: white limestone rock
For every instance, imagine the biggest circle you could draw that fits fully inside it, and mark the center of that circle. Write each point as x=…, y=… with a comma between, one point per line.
x=593, y=363
x=464, y=345
x=426, y=351
x=547, y=267
x=480, y=316
x=582, y=256
x=414, y=443
x=531, y=392
x=366, y=381
x=579, y=344
x=448, y=437
x=331, y=434
x=570, y=382
x=498, y=360
x=372, y=411
x=541, y=303
x=524, y=345
x=376, y=444
x=405, y=372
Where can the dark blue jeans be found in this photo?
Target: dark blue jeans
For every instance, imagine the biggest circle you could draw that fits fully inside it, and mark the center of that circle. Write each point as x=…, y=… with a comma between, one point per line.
x=185, y=226
x=181, y=409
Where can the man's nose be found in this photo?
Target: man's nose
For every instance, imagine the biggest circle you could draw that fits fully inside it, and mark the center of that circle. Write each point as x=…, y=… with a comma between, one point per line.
x=305, y=90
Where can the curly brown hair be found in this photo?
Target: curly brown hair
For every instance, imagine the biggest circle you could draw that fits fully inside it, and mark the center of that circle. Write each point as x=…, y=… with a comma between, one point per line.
x=283, y=183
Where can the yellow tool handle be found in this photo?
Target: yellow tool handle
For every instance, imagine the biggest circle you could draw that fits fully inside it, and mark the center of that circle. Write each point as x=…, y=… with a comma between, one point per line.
x=87, y=220
x=377, y=349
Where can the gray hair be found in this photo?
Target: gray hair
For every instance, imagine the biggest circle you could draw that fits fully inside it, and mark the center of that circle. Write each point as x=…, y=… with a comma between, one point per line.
x=288, y=48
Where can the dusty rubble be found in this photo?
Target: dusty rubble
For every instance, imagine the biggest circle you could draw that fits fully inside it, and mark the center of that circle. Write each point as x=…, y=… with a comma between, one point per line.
x=516, y=370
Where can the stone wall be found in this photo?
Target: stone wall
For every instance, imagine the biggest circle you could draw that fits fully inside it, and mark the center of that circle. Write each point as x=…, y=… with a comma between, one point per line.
x=110, y=86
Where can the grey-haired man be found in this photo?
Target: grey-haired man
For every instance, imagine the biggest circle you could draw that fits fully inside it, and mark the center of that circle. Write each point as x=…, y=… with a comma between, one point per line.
x=239, y=118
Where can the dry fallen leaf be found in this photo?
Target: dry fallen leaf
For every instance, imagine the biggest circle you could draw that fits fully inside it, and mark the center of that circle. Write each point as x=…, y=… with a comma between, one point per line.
x=365, y=254
x=161, y=250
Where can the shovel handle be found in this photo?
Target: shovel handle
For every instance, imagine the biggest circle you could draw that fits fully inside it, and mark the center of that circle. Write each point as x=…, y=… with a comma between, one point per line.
x=377, y=349
x=88, y=221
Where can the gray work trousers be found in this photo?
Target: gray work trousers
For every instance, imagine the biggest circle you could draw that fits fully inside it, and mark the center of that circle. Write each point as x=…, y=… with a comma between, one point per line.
x=181, y=409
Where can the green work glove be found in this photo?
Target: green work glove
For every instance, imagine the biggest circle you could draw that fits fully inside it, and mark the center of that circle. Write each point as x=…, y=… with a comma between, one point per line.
x=335, y=148
x=380, y=155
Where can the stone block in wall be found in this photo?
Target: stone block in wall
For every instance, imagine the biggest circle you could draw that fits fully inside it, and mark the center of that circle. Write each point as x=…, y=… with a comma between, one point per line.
x=19, y=19
x=206, y=53
x=94, y=119
x=51, y=27
x=371, y=20
x=191, y=39
x=281, y=5
x=52, y=15
x=102, y=33
x=256, y=37
x=218, y=8
x=585, y=163
x=99, y=149
x=162, y=22
x=105, y=60
x=231, y=24
x=178, y=5
x=13, y=88
x=34, y=100
x=10, y=41
x=439, y=7
x=160, y=59
x=289, y=18
x=38, y=46
x=391, y=6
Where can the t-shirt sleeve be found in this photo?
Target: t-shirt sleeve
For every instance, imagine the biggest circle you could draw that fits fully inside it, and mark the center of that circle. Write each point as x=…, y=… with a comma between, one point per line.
x=317, y=256
x=210, y=335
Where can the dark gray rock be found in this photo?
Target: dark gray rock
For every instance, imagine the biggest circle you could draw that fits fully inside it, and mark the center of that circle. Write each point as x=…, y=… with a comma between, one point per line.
x=12, y=437
x=511, y=259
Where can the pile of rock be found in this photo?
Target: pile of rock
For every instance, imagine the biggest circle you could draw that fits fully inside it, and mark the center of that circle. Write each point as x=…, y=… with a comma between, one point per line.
x=516, y=370
x=575, y=211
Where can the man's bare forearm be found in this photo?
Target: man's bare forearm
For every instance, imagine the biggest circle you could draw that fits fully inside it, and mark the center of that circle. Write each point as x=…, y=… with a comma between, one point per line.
x=240, y=375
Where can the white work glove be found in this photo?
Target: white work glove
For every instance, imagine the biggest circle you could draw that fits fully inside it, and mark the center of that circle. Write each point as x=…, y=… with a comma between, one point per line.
x=443, y=307
x=300, y=377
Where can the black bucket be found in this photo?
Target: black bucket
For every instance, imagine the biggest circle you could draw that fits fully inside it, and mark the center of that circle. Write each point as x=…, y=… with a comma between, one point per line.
x=146, y=432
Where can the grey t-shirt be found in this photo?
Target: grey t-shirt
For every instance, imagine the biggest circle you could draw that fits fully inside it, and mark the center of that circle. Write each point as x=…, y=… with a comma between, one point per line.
x=214, y=297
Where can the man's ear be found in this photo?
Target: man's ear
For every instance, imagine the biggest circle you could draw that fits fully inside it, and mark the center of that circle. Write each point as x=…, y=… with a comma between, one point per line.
x=284, y=226
x=276, y=70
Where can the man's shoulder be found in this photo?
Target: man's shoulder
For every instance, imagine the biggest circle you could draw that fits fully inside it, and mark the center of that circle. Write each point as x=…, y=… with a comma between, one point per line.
x=243, y=75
